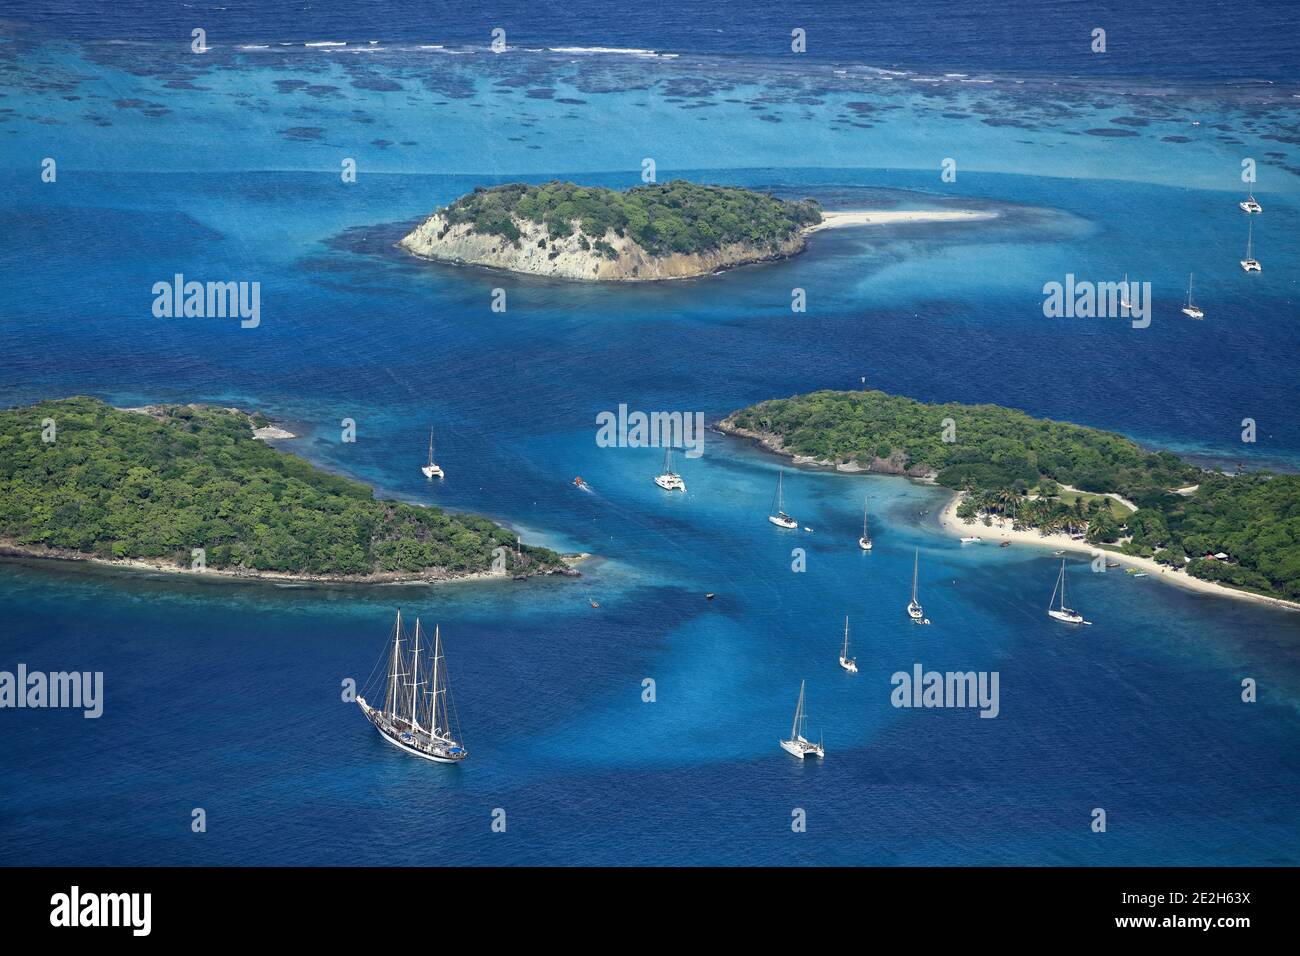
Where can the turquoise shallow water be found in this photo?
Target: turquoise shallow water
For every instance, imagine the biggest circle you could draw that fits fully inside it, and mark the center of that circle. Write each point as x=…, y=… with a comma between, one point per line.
x=227, y=697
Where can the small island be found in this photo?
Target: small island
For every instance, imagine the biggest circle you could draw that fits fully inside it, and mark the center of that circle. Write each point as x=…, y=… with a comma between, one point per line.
x=661, y=231
x=145, y=487
x=1052, y=482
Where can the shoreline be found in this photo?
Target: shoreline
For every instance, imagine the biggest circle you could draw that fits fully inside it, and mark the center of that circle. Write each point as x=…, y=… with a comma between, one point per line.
x=435, y=240
x=1001, y=530
x=12, y=550
x=846, y=218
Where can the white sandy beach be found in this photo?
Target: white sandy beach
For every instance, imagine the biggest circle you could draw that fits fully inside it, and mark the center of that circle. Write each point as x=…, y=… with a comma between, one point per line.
x=885, y=217
x=1001, y=530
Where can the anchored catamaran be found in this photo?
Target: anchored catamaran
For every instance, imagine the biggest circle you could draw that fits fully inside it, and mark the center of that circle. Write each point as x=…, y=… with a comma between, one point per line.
x=415, y=716
x=1190, y=310
x=850, y=664
x=798, y=744
x=1250, y=263
x=431, y=470
x=864, y=542
x=1250, y=205
x=1061, y=612
x=669, y=480
x=778, y=516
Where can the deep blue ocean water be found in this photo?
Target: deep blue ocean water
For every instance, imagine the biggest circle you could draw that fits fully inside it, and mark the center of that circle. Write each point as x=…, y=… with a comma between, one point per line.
x=227, y=697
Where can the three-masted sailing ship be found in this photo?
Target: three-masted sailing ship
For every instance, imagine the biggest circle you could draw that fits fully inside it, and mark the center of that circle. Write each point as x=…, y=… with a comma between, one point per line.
x=417, y=715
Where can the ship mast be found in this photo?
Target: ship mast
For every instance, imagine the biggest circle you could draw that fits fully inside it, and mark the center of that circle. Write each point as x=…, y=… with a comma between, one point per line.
x=916, y=561
x=436, y=727
x=415, y=679
x=798, y=714
x=394, y=667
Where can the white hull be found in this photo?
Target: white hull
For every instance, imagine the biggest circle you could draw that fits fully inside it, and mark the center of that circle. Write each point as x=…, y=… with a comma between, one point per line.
x=864, y=544
x=1068, y=616
x=783, y=521
x=1250, y=206
x=850, y=666
x=802, y=748
x=416, y=752
x=431, y=471
x=915, y=612
x=670, y=482
x=1193, y=313
x=971, y=540
x=1251, y=265
x=437, y=755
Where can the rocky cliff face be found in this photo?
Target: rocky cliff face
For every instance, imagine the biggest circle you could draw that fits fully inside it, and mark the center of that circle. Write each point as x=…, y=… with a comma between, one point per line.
x=536, y=254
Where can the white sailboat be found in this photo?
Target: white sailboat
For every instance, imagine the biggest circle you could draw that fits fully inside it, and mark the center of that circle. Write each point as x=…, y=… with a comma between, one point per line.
x=914, y=610
x=1190, y=310
x=798, y=744
x=1250, y=263
x=1060, y=611
x=850, y=664
x=431, y=470
x=669, y=480
x=864, y=542
x=415, y=716
x=1124, y=302
x=1249, y=205
x=778, y=516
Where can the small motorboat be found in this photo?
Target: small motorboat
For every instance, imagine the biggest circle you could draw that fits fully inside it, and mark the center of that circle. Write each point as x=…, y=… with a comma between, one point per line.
x=592, y=602
x=579, y=483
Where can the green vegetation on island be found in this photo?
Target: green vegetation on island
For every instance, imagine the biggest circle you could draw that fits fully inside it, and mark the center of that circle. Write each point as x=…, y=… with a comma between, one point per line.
x=1056, y=476
x=117, y=484
x=674, y=217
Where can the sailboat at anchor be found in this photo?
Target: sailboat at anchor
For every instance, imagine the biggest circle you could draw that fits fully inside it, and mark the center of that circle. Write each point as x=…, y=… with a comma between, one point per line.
x=415, y=716
x=864, y=542
x=669, y=480
x=850, y=664
x=798, y=744
x=1060, y=612
x=431, y=470
x=778, y=516
x=1190, y=310
x=914, y=609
